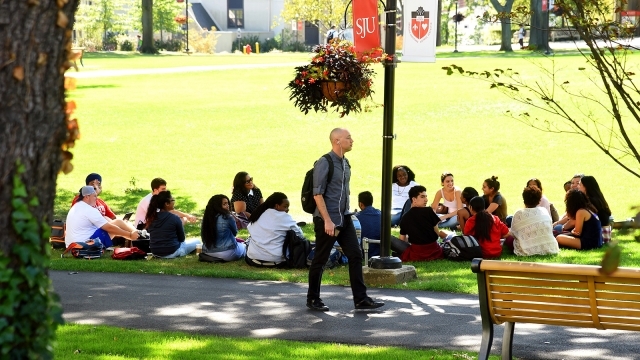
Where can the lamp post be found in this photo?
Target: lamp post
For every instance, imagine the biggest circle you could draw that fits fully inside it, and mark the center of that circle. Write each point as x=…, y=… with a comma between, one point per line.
x=186, y=12
x=455, y=43
x=386, y=261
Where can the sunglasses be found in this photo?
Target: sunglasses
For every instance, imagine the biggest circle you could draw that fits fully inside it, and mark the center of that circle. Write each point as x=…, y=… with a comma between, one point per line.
x=249, y=181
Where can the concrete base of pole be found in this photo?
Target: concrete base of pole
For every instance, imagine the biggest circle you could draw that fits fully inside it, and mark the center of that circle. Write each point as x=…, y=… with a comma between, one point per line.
x=388, y=276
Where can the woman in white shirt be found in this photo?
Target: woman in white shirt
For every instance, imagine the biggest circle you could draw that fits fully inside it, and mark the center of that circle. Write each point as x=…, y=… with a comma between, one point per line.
x=532, y=228
x=403, y=181
x=268, y=226
x=451, y=199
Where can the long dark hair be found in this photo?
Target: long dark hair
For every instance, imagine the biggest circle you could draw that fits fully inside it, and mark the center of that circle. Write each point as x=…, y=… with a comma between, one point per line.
x=469, y=193
x=156, y=204
x=274, y=199
x=493, y=183
x=596, y=198
x=208, y=232
x=238, y=183
x=484, y=220
x=576, y=200
x=410, y=175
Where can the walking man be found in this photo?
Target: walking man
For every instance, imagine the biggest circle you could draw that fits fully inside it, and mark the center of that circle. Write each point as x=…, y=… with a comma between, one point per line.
x=332, y=222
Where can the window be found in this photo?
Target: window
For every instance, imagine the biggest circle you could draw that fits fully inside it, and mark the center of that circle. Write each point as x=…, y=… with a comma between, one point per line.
x=235, y=18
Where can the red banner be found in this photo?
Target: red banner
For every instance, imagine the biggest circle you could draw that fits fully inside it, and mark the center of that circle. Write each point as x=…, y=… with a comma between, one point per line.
x=366, y=29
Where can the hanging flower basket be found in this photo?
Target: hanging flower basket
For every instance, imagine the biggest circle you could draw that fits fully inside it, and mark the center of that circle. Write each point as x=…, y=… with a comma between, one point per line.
x=181, y=19
x=180, y=1
x=335, y=77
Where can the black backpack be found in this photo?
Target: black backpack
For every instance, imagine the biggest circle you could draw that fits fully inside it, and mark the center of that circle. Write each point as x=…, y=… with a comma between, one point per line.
x=296, y=250
x=462, y=248
x=308, y=202
x=330, y=35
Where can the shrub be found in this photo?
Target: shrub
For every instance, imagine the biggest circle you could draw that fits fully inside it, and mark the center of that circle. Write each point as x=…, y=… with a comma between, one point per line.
x=245, y=40
x=126, y=46
x=296, y=46
x=204, y=41
x=269, y=45
x=169, y=45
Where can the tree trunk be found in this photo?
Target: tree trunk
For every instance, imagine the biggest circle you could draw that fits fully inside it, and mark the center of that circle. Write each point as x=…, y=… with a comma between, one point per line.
x=538, y=32
x=439, y=25
x=445, y=29
x=505, y=23
x=147, y=28
x=35, y=41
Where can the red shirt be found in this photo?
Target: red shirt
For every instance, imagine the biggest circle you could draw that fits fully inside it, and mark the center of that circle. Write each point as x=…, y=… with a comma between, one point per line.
x=491, y=247
x=100, y=205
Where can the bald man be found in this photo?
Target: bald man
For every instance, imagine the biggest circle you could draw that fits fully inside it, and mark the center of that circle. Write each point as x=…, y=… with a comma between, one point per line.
x=332, y=222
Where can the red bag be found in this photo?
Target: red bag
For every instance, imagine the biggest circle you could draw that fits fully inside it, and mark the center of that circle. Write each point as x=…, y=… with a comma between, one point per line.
x=132, y=253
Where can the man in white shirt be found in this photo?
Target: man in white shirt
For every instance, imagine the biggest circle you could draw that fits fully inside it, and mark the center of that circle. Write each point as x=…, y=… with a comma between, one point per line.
x=85, y=222
x=157, y=185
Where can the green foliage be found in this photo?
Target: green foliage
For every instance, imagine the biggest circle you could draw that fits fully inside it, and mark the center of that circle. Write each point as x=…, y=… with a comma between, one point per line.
x=169, y=45
x=296, y=46
x=323, y=13
x=245, y=40
x=268, y=45
x=29, y=310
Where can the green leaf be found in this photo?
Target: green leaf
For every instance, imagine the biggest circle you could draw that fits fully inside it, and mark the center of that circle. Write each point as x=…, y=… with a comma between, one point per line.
x=34, y=202
x=21, y=215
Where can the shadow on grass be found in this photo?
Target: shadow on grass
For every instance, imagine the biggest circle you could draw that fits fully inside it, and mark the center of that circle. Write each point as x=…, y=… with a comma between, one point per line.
x=103, y=86
x=108, y=55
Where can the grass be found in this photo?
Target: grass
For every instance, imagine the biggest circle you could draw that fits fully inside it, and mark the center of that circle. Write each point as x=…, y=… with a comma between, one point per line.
x=106, y=342
x=440, y=275
x=196, y=130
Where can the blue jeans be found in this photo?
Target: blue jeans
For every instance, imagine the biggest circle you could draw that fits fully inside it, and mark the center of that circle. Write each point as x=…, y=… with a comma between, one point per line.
x=186, y=247
x=395, y=218
x=451, y=222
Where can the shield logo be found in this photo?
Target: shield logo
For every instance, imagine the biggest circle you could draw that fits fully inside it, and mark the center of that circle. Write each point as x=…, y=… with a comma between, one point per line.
x=420, y=28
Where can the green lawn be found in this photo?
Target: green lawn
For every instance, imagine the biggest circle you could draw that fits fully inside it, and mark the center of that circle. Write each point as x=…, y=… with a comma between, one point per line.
x=196, y=130
x=107, y=342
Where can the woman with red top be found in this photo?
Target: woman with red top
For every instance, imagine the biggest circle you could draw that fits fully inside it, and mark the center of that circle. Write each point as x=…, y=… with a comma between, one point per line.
x=486, y=228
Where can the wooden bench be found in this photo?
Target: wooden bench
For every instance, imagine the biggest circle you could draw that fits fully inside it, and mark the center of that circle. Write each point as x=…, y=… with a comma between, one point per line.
x=553, y=294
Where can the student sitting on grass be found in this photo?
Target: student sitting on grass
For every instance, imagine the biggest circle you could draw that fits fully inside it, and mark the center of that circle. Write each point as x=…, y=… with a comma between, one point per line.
x=587, y=232
x=219, y=231
x=246, y=196
x=419, y=231
x=495, y=203
x=565, y=224
x=531, y=227
x=450, y=196
x=165, y=229
x=268, y=228
x=486, y=228
x=464, y=213
x=157, y=185
x=403, y=181
x=95, y=180
x=85, y=222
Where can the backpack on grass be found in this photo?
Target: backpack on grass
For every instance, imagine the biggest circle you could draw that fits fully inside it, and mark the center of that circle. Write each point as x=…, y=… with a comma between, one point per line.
x=308, y=202
x=91, y=249
x=128, y=253
x=56, y=239
x=462, y=248
x=296, y=250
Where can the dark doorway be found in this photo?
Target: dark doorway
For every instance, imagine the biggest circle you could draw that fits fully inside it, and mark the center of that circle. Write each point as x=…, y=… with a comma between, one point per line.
x=311, y=34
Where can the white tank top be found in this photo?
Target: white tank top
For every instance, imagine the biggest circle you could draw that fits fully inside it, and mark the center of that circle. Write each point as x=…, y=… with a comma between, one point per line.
x=452, y=205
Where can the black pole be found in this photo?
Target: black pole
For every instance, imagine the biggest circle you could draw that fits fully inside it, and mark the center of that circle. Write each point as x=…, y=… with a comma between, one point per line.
x=386, y=261
x=186, y=8
x=455, y=18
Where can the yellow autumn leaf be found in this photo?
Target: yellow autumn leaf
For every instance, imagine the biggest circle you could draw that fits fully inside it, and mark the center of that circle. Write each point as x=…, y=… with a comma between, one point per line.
x=69, y=84
x=63, y=20
x=18, y=73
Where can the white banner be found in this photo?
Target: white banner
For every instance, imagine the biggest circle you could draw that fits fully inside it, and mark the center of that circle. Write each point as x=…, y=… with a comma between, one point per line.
x=420, y=30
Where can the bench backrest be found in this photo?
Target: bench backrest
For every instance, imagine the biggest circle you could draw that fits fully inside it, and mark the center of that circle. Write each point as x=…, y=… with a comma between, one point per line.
x=559, y=294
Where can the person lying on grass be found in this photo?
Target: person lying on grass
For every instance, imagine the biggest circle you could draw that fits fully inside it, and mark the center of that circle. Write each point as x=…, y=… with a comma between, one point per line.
x=167, y=239
x=268, y=226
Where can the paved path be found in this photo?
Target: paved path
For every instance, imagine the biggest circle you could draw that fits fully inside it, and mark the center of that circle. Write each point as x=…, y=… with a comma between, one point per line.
x=267, y=309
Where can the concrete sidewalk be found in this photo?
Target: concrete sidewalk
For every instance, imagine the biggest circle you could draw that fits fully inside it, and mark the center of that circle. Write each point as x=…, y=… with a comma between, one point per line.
x=266, y=309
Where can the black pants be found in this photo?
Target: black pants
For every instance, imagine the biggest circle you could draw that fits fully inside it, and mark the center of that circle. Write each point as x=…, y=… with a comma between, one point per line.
x=348, y=240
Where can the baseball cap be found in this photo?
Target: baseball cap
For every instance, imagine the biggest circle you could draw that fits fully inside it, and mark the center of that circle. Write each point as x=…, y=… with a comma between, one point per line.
x=87, y=190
